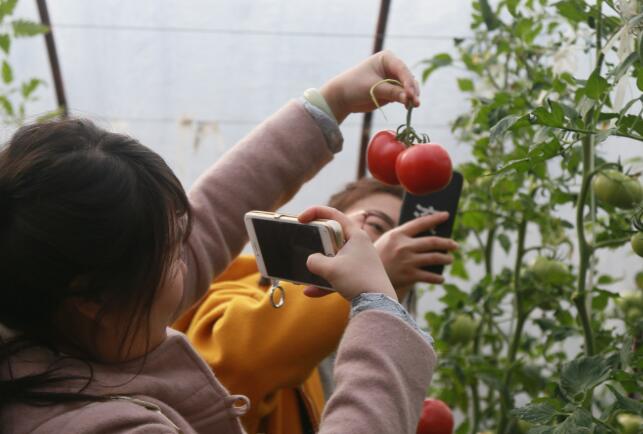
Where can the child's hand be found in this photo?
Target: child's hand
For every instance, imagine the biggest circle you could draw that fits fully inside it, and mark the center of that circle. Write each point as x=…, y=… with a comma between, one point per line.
x=356, y=268
x=349, y=92
x=404, y=256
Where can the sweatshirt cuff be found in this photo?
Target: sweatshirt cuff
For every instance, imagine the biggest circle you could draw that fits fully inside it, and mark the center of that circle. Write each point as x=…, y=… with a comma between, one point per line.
x=369, y=300
x=327, y=124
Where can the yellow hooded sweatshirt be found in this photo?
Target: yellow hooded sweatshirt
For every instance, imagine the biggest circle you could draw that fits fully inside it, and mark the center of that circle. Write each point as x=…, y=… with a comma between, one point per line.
x=270, y=355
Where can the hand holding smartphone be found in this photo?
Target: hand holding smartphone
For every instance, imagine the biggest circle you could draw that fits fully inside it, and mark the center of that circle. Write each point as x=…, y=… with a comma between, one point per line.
x=445, y=200
x=282, y=245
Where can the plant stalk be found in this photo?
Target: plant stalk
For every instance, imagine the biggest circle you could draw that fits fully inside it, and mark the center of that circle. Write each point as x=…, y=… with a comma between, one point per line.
x=506, y=403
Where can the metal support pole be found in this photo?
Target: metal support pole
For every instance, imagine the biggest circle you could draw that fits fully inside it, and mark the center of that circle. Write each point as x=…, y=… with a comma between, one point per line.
x=53, y=58
x=380, y=31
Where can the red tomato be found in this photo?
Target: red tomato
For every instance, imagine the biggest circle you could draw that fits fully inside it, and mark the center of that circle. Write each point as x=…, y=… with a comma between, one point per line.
x=381, y=155
x=424, y=168
x=436, y=418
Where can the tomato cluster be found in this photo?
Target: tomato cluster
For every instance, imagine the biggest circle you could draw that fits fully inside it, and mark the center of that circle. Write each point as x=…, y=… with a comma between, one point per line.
x=404, y=157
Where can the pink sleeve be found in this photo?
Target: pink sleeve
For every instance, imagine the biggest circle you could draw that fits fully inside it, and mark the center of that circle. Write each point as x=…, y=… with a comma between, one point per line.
x=263, y=171
x=382, y=372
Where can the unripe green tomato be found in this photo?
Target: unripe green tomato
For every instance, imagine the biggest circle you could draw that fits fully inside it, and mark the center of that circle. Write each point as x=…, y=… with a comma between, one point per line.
x=462, y=330
x=617, y=189
x=637, y=243
x=549, y=270
x=523, y=426
x=633, y=315
x=639, y=280
x=630, y=300
x=631, y=423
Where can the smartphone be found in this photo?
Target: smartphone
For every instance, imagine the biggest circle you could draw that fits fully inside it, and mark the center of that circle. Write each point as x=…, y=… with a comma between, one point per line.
x=414, y=206
x=282, y=245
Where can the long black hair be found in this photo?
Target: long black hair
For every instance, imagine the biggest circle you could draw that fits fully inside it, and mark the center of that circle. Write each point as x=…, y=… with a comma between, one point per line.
x=83, y=213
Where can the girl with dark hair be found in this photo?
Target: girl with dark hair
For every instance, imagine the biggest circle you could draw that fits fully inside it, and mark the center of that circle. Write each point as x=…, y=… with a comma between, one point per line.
x=100, y=249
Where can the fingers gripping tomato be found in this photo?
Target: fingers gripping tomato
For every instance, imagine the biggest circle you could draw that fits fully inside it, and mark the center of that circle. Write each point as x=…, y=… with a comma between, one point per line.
x=436, y=418
x=382, y=152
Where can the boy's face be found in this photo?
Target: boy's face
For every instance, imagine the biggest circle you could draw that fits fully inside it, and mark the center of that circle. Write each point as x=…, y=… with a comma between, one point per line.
x=376, y=214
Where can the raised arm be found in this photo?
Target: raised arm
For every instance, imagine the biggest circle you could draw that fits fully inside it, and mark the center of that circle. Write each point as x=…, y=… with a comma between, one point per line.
x=269, y=166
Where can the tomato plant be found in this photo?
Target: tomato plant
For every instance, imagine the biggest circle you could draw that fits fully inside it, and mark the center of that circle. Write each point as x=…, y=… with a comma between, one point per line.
x=544, y=198
x=436, y=418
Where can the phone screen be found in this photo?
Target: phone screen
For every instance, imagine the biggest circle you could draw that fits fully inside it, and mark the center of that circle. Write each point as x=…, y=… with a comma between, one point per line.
x=285, y=248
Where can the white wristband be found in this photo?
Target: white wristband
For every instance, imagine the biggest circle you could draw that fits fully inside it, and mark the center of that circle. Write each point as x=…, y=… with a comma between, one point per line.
x=313, y=96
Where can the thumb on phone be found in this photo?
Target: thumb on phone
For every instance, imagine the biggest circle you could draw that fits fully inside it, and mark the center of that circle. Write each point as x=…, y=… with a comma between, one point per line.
x=319, y=264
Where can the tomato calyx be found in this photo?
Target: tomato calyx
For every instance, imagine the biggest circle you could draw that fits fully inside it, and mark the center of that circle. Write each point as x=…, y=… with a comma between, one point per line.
x=407, y=135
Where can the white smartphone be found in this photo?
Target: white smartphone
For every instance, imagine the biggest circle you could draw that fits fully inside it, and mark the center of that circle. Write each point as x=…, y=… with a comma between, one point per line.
x=282, y=245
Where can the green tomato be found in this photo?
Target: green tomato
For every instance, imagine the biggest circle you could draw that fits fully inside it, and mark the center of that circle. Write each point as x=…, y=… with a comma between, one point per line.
x=637, y=244
x=523, y=426
x=617, y=189
x=462, y=330
x=633, y=315
x=639, y=280
x=631, y=303
x=549, y=270
x=631, y=423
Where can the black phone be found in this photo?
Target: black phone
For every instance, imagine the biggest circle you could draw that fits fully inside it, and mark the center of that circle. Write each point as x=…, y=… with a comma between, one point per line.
x=414, y=206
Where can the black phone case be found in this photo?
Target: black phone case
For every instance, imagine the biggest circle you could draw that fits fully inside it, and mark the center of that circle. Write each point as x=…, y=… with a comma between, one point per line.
x=414, y=206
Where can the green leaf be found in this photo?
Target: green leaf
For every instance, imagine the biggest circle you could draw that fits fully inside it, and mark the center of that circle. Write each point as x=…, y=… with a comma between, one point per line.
x=453, y=297
x=6, y=105
x=503, y=125
x=542, y=116
x=512, y=5
x=7, y=7
x=465, y=84
x=579, y=422
x=540, y=413
x=557, y=111
x=573, y=10
x=624, y=403
x=25, y=28
x=458, y=269
x=489, y=17
x=621, y=69
x=474, y=219
x=7, y=73
x=596, y=86
x=505, y=242
x=639, y=78
x=520, y=166
x=5, y=43
x=29, y=87
x=581, y=375
x=437, y=61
